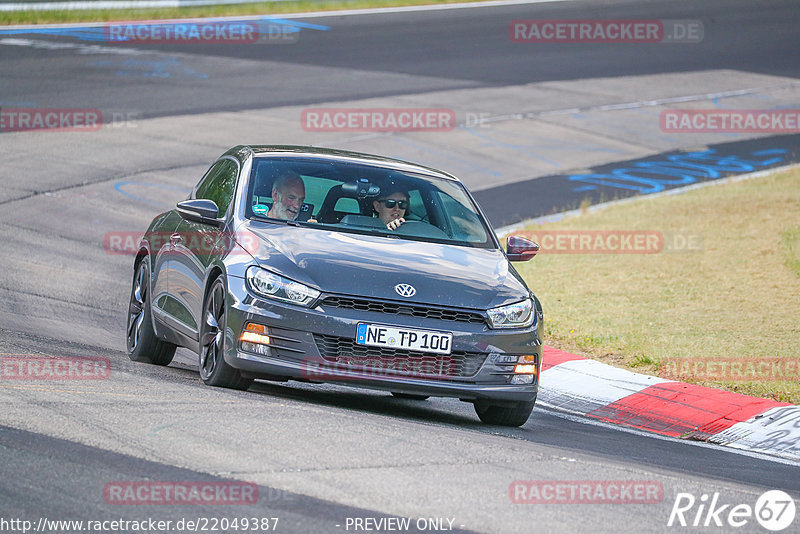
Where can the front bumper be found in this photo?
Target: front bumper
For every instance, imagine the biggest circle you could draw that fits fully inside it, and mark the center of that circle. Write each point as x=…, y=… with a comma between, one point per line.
x=317, y=345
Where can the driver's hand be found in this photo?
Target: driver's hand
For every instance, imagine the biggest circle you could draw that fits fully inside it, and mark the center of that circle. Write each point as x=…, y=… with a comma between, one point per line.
x=395, y=224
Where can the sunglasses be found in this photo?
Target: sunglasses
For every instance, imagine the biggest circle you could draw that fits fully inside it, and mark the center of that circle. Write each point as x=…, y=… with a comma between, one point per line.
x=390, y=203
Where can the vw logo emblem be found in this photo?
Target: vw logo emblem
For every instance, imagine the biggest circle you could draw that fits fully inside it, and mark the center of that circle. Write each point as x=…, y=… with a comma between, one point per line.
x=405, y=290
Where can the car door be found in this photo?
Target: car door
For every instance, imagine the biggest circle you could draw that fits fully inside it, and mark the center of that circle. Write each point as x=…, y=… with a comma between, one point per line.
x=194, y=245
x=161, y=251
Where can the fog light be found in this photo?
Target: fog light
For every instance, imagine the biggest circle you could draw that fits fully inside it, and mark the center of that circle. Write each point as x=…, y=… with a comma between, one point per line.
x=261, y=350
x=525, y=369
x=527, y=358
x=252, y=337
x=522, y=379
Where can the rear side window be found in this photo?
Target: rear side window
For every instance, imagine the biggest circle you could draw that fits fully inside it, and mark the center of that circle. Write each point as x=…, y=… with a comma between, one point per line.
x=219, y=184
x=347, y=205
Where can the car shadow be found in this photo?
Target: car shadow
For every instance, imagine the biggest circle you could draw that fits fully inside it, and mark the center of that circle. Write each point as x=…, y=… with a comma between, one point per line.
x=436, y=410
x=374, y=402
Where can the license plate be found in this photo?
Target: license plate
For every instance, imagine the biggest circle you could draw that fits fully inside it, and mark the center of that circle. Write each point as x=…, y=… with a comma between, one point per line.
x=376, y=335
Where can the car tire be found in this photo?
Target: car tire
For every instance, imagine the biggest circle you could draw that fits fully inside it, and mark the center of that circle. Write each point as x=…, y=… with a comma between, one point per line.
x=141, y=341
x=214, y=370
x=410, y=396
x=504, y=415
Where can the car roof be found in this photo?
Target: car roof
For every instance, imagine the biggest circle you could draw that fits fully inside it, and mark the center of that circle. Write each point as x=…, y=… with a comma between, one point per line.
x=259, y=151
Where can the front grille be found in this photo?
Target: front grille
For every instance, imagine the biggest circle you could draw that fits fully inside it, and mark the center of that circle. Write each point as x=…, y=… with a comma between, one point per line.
x=345, y=352
x=395, y=308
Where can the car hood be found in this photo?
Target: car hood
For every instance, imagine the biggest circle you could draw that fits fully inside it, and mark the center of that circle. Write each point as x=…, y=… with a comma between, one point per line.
x=371, y=266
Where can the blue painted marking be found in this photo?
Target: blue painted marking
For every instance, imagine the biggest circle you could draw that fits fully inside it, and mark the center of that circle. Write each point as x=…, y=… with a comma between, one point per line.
x=100, y=33
x=647, y=177
x=84, y=33
x=769, y=152
x=149, y=68
x=298, y=24
x=585, y=188
x=119, y=187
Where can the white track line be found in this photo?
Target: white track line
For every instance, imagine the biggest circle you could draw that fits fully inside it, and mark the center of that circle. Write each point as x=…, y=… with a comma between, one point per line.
x=582, y=418
x=640, y=103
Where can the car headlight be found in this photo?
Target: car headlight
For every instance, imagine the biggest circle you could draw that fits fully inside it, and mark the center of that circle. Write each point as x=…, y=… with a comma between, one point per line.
x=517, y=315
x=272, y=286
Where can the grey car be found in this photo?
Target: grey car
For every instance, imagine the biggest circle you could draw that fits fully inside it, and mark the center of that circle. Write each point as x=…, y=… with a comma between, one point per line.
x=332, y=293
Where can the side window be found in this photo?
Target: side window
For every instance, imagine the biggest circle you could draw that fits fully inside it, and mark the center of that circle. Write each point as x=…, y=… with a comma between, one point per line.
x=219, y=184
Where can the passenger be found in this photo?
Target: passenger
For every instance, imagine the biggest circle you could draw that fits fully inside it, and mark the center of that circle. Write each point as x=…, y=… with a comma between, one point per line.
x=391, y=207
x=288, y=194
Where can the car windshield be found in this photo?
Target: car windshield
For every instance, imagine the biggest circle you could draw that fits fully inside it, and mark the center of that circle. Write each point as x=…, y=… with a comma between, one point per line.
x=365, y=199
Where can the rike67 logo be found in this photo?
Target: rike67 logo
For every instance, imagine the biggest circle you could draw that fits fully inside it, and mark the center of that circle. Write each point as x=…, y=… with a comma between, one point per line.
x=774, y=510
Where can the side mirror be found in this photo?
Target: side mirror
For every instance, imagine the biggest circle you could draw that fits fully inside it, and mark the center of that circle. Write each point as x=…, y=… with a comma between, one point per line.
x=200, y=210
x=520, y=249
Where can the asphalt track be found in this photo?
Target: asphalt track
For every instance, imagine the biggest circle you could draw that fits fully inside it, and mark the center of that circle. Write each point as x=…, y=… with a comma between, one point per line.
x=391, y=54
x=322, y=454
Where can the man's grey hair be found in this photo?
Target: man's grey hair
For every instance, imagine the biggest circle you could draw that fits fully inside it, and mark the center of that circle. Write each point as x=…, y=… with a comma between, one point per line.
x=285, y=179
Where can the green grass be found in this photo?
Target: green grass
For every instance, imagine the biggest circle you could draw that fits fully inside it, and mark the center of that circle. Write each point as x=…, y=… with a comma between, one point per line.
x=790, y=247
x=736, y=295
x=261, y=8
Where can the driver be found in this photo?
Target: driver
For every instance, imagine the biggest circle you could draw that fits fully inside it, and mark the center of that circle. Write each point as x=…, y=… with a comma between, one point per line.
x=391, y=206
x=288, y=194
